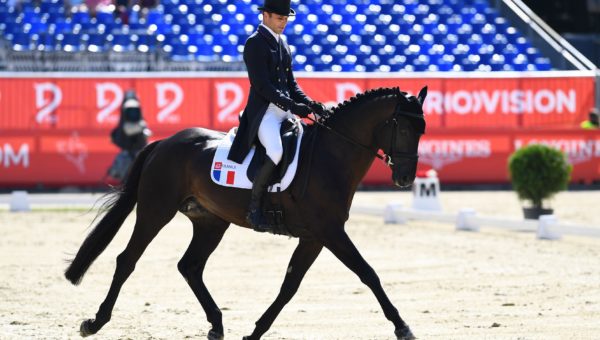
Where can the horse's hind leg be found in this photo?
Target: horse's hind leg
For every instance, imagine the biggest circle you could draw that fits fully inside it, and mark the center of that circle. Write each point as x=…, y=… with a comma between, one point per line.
x=304, y=256
x=149, y=221
x=208, y=232
x=342, y=247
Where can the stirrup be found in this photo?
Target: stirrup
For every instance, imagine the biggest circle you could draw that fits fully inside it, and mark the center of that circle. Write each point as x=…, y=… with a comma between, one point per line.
x=262, y=225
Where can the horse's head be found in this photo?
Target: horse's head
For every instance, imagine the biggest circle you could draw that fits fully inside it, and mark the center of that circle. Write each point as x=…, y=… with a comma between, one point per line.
x=399, y=137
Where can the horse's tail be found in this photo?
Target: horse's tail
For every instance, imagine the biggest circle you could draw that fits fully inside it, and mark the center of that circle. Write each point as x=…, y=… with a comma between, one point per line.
x=117, y=206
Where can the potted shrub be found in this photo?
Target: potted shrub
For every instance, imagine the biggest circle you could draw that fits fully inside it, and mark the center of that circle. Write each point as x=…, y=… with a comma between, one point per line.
x=537, y=172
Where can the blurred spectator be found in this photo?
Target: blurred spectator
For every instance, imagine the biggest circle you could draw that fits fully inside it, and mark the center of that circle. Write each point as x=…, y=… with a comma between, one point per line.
x=593, y=120
x=72, y=6
x=146, y=6
x=122, y=8
x=130, y=135
x=95, y=6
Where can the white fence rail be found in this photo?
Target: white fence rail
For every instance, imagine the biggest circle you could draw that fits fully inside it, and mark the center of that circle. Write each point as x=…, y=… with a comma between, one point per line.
x=547, y=227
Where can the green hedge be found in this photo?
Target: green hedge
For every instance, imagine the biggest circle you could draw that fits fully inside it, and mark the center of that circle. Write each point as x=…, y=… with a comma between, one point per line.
x=538, y=171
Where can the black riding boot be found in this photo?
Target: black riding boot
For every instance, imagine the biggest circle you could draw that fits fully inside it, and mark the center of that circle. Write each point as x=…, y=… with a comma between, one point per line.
x=255, y=215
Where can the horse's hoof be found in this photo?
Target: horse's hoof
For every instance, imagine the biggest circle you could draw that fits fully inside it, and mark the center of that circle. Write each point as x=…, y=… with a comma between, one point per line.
x=214, y=335
x=404, y=334
x=84, y=329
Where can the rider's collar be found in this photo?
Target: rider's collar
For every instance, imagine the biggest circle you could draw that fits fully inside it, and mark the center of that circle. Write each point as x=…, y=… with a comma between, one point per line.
x=275, y=35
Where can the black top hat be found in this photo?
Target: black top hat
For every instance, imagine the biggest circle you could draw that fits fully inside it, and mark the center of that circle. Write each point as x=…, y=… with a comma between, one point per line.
x=281, y=7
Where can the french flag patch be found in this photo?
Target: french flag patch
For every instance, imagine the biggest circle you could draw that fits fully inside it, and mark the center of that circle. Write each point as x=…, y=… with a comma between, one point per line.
x=230, y=177
x=223, y=176
x=217, y=171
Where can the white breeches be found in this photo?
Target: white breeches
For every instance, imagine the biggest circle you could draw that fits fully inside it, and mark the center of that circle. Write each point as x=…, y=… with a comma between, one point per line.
x=268, y=132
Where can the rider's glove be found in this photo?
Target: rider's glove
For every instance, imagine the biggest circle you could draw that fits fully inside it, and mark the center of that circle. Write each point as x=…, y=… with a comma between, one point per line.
x=301, y=110
x=319, y=109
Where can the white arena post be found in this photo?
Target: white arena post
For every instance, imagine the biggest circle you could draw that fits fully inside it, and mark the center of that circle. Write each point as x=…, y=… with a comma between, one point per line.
x=392, y=214
x=426, y=192
x=548, y=228
x=466, y=220
x=19, y=201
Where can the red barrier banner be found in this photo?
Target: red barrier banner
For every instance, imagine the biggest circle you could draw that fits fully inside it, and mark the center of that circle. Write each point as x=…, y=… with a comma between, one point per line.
x=465, y=158
x=450, y=155
x=229, y=98
x=174, y=103
x=55, y=130
x=483, y=157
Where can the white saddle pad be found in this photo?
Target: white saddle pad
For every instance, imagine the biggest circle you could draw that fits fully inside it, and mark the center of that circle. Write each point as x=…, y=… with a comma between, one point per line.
x=231, y=174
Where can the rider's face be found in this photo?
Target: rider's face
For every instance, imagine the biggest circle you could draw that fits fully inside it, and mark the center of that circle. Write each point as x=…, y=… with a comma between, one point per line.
x=275, y=22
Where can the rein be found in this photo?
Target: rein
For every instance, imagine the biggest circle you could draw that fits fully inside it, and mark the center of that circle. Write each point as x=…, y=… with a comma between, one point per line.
x=387, y=159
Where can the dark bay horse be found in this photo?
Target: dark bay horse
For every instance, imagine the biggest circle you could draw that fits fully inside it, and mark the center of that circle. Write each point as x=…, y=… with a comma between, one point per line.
x=169, y=174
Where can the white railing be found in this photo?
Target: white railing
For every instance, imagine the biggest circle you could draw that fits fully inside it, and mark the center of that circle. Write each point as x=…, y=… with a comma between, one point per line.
x=547, y=227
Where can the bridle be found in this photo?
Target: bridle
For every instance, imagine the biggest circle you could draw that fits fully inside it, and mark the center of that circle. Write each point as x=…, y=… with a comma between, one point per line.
x=386, y=158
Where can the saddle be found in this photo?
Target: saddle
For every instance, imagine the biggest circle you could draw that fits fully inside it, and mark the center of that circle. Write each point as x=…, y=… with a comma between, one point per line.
x=289, y=132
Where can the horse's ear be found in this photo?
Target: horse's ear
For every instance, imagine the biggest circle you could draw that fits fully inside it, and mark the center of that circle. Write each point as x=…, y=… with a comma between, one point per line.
x=422, y=95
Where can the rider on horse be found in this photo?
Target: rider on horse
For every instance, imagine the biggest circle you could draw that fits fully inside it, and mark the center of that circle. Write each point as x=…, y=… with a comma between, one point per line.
x=274, y=97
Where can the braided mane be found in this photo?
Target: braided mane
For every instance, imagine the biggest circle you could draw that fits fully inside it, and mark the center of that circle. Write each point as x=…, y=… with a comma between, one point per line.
x=370, y=94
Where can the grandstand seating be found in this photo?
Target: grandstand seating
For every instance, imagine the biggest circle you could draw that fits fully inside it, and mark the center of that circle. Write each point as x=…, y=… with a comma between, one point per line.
x=337, y=35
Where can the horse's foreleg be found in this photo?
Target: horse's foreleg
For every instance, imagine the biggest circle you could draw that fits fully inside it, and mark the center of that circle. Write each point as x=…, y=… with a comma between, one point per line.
x=342, y=247
x=207, y=235
x=304, y=256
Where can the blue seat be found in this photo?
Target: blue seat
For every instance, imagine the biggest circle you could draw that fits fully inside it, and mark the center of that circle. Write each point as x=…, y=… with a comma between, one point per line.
x=36, y=27
x=421, y=63
x=90, y=26
x=501, y=25
x=520, y=62
x=21, y=41
x=542, y=64
x=46, y=42
x=69, y=42
x=485, y=53
x=477, y=22
x=61, y=26
x=49, y=5
x=53, y=15
x=154, y=17
x=475, y=42
x=446, y=63
x=468, y=13
x=480, y=5
x=499, y=42
x=533, y=53
x=445, y=12
x=96, y=42
x=30, y=14
x=510, y=52
x=144, y=42
x=511, y=34
x=498, y=63
x=181, y=52
x=470, y=62
x=105, y=17
x=120, y=42
x=411, y=53
x=453, y=23
x=522, y=44
x=230, y=53
x=80, y=17
x=204, y=52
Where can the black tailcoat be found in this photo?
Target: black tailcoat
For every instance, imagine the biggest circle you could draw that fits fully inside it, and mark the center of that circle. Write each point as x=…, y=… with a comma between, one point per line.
x=269, y=66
